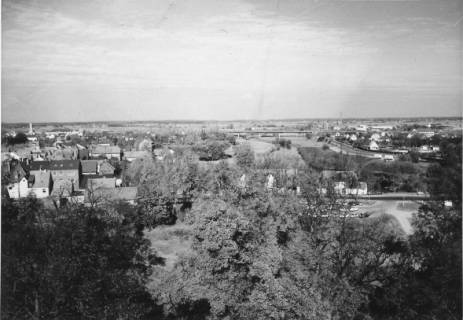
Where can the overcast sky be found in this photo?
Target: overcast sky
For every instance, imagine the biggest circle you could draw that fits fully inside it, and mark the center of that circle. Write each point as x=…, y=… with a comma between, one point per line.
x=90, y=60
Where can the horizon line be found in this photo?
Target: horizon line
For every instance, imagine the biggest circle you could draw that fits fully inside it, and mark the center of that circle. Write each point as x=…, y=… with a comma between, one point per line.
x=237, y=120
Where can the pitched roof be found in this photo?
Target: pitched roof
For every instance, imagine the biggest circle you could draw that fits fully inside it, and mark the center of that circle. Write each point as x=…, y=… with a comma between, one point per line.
x=83, y=181
x=55, y=165
x=105, y=149
x=106, y=168
x=65, y=165
x=135, y=154
x=89, y=166
x=64, y=154
x=62, y=188
x=42, y=179
x=101, y=183
x=39, y=165
x=17, y=171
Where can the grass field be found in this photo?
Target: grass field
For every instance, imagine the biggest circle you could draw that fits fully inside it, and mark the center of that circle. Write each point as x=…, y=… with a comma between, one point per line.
x=320, y=159
x=402, y=211
x=170, y=242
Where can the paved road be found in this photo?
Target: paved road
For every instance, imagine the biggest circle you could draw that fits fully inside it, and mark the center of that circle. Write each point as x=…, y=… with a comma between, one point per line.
x=402, y=211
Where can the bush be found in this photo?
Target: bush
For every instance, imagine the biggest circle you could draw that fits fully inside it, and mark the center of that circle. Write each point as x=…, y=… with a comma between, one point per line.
x=284, y=143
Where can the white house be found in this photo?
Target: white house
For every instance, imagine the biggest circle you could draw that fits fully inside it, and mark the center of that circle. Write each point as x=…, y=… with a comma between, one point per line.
x=270, y=182
x=353, y=137
x=41, y=184
x=360, y=191
x=18, y=189
x=375, y=137
x=373, y=145
x=388, y=157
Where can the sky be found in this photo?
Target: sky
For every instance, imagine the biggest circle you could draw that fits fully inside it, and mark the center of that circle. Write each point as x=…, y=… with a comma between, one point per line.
x=94, y=60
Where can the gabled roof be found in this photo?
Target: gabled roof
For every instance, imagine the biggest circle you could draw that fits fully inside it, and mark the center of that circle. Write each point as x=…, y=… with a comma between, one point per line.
x=62, y=188
x=89, y=166
x=55, y=165
x=106, y=168
x=39, y=165
x=105, y=149
x=65, y=165
x=101, y=183
x=42, y=179
x=17, y=171
x=64, y=154
x=135, y=154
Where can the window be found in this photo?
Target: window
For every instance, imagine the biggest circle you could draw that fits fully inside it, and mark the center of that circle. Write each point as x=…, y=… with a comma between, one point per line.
x=44, y=190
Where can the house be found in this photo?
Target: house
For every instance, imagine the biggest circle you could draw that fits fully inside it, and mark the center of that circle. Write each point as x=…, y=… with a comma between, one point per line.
x=18, y=184
x=37, y=166
x=99, y=182
x=361, y=190
x=132, y=155
x=105, y=168
x=353, y=137
x=19, y=188
x=66, y=170
x=42, y=184
x=375, y=137
x=63, y=154
x=62, y=188
x=270, y=182
x=373, y=146
x=388, y=157
x=424, y=149
x=106, y=151
x=427, y=134
x=83, y=154
x=61, y=170
x=339, y=187
x=89, y=167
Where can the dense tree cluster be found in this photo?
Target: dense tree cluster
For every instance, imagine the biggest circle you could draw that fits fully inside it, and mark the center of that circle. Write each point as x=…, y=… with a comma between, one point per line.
x=255, y=252
x=19, y=138
x=284, y=143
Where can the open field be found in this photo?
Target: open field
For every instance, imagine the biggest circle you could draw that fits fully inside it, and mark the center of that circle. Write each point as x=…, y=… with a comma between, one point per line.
x=170, y=242
x=402, y=211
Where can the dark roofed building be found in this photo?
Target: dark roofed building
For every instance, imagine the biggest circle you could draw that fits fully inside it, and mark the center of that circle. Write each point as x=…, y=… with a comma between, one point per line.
x=106, y=151
x=66, y=170
x=17, y=171
x=83, y=154
x=39, y=166
x=61, y=165
x=83, y=184
x=89, y=167
x=106, y=169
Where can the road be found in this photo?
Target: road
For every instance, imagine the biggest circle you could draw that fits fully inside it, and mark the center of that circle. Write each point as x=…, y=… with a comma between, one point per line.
x=402, y=211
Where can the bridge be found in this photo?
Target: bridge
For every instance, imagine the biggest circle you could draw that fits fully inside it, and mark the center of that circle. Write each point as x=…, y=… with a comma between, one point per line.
x=284, y=131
